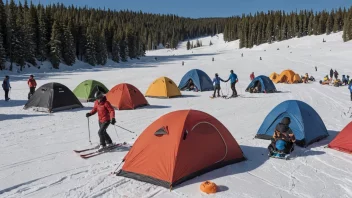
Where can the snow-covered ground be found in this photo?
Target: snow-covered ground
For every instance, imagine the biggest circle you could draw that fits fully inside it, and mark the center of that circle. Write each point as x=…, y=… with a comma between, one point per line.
x=36, y=158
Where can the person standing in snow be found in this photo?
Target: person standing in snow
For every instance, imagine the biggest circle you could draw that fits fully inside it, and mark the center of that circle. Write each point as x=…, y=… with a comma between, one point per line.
x=283, y=138
x=331, y=73
x=350, y=88
x=6, y=87
x=216, y=82
x=106, y=115
x=233, y=79
x=336, y=74
x=316, y=68
x=252, y=76
x=32, y=84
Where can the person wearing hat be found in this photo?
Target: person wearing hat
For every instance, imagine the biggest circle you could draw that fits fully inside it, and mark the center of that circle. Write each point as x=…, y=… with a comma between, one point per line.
x=283, y=138
x=6, y=87
x=216, y=82
x=32, y=84
x=106, y=115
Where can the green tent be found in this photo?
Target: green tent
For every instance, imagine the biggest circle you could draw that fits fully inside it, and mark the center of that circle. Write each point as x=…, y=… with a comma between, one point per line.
x=86, y=90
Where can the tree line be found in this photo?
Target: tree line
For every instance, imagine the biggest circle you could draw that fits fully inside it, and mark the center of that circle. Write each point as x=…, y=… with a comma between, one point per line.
x=278, y=25
x=62, y=34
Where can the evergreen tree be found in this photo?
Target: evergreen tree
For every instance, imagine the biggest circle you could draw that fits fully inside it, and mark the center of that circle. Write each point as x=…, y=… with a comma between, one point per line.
x=101, y=50
x=19, y=47
x=3, y=22
x=11, y=30
x=123, y=49
x=131, y=43
x=42, y=42
x=116, y=48
x=189, y=45
x=55, y=45
x=29, y=30
x=90, y=48
x=2, y=54
x=68, y=47
x=330, y=23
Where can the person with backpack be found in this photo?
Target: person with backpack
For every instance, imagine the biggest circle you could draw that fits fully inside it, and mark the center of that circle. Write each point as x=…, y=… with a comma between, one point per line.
x=233, y=79
x=106, y=115
x=331, y=73
x=216, y=82
x=283, y=138
x=32, y=84
x=336, y=74
x=6, y=87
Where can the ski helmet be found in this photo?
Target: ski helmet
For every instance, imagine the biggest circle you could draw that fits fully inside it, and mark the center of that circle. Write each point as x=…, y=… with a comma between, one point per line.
x=98, y=95
x=216, y=74
x=231, y=71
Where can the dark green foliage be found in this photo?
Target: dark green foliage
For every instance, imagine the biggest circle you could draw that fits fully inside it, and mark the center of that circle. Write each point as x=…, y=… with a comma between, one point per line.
x=68, y=47
x=277, y=25
x=41, y=36
x=56, y=45
x=2, y=53
x=115, y=48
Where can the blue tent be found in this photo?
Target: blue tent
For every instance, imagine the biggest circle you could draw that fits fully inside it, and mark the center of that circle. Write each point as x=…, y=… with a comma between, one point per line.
x=267, y=86
x=306, y=124
x=200, y=79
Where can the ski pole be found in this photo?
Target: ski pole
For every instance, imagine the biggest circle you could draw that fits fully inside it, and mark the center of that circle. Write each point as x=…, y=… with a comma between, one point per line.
x=124, y=129
x=116, y=132
x=89, y=131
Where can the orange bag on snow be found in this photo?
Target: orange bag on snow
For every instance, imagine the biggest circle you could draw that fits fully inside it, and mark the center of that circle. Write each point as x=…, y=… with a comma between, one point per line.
x=208, y=187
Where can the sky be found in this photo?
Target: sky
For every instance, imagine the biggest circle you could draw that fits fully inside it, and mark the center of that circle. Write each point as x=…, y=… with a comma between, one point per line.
x=205, y=8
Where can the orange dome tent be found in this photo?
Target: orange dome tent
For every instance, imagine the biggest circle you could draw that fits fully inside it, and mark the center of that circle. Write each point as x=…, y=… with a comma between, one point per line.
x=163, y=87
x=125, y=96
x=273, y=76
x=179, y=146
x=286, y=77
x=296, y=78
x=343, y=141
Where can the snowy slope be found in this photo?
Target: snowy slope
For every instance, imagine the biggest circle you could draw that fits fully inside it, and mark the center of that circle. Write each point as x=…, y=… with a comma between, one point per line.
x=36, y=148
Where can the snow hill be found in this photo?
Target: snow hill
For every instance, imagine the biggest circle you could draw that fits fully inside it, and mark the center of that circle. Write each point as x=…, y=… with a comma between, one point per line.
x=36, y=148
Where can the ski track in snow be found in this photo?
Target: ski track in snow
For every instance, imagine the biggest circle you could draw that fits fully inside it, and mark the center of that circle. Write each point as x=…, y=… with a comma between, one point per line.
x=36, y=148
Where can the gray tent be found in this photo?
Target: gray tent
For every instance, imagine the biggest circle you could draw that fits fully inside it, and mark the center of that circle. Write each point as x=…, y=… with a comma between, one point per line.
x=53, y=97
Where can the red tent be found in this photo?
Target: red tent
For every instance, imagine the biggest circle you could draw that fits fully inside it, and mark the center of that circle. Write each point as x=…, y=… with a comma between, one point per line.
x=343, y=141
x=125, y=96
x=179, y=146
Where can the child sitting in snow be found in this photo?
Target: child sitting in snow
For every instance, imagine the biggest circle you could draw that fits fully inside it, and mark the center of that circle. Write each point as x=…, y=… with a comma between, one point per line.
x=283, y=138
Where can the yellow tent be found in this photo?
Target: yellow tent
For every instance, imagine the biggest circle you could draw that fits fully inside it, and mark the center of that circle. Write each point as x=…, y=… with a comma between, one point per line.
x=296, y=78
x=163, y=87
x=273, y=76
x=286, y=77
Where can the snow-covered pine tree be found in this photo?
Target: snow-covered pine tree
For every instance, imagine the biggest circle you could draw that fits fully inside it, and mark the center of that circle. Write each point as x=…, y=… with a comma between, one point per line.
x=115, y=48
x=101, y=50
x=29, y=32
x=2, y=53
x=68, y=47
x=56, y=45
x=11, y=30
x=19, y=48
x=42, y=41
x=90, y=52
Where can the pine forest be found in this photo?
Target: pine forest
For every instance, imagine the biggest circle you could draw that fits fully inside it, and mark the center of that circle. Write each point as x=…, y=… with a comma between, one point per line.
x=30, y=34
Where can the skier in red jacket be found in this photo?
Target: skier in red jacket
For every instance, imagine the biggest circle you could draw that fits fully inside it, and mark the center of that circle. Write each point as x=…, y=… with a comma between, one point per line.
x=32, y=84
x=252, y=76
x=106, y=115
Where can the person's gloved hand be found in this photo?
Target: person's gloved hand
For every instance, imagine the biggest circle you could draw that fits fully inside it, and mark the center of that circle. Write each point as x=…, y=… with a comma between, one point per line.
x=113, y=121
x=88, y=114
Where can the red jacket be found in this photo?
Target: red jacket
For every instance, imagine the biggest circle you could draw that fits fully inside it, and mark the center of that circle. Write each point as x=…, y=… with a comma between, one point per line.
x=32, y=83
x=105, y=111
x=251, y=76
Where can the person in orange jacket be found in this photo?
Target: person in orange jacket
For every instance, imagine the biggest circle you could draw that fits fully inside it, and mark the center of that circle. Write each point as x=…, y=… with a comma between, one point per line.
x=252, y=76
x=32, y=84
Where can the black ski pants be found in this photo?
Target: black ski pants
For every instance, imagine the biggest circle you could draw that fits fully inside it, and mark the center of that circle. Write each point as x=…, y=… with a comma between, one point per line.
x=103, y=135
x=351, y=96
x=233, y=87
x=31, y=92
x=216, y=88
x=6, y=93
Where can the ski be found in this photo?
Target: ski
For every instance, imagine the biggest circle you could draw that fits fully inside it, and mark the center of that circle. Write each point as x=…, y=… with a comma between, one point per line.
x=95, y=153
x=279, y=156
x=84, y=150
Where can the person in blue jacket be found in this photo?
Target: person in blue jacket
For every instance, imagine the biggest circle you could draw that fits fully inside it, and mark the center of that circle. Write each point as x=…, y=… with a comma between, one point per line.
x=233, y=79
x=216, y=82
x=6, y=87
x=350, y=88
